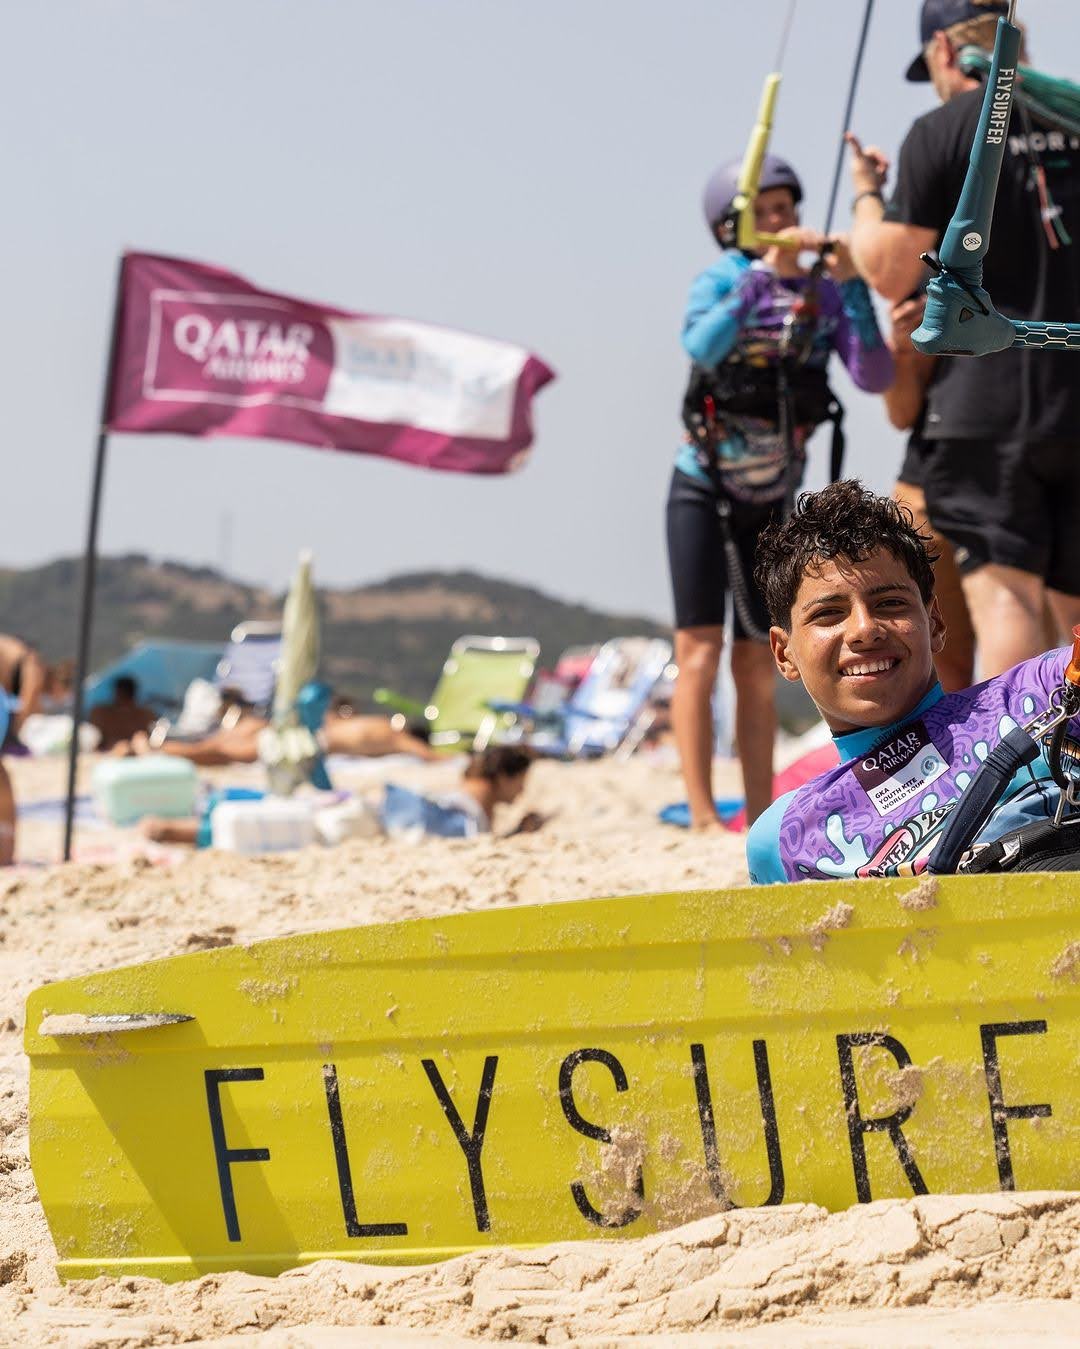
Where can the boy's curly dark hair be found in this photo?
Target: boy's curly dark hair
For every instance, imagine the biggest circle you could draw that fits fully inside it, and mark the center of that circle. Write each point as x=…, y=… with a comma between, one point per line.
x=844, y=520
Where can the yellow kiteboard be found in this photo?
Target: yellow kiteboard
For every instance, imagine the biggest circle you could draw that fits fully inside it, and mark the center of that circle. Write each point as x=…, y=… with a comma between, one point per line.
x=571, y=1070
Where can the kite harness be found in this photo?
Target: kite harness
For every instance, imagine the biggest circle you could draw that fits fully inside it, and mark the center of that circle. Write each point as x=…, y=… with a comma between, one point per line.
x=1048, y=845
x=960, y=318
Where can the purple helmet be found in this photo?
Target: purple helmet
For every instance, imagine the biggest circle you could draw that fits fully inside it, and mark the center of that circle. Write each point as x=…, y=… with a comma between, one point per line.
x=722, y=187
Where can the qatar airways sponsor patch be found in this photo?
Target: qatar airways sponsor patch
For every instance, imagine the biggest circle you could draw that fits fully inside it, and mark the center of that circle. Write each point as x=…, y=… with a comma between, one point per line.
x=899, y=769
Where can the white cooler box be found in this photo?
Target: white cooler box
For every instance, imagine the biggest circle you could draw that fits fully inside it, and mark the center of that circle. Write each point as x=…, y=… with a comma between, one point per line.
x=274, y=824
x=153, y=784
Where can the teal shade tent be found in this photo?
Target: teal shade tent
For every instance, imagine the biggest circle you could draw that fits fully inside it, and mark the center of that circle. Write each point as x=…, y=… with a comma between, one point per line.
x=162, y=671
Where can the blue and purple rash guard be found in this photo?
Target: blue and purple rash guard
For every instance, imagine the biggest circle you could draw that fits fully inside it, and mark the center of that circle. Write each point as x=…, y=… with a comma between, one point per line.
x=736, y=312
x=882, y=810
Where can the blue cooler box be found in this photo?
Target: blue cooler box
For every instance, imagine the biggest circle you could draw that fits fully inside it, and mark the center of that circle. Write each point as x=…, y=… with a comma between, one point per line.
x=154, y=784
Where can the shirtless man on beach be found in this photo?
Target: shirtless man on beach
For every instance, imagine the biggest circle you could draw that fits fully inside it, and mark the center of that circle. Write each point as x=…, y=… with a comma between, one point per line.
x=122, y=718
x=347, y=732
x=343, y=732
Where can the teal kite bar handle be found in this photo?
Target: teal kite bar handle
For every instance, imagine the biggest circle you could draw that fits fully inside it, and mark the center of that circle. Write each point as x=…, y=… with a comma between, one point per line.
x=1047, y=336
x=967, y=238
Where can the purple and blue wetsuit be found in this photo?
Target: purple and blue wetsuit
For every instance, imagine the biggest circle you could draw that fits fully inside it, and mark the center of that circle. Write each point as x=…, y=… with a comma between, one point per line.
x=736, y=312
x=882, y=810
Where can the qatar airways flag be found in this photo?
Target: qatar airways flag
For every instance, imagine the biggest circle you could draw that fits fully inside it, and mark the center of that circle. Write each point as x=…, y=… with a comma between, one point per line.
x=202, y=352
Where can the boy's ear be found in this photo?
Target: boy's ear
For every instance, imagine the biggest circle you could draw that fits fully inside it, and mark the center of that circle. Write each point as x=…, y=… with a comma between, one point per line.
x=938, y=630
x=778, y=642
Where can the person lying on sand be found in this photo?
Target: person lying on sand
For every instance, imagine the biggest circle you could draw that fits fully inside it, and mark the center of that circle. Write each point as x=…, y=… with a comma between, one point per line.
x=492, y=778
x=849, y=584
x=345, y=731
x=237, y=739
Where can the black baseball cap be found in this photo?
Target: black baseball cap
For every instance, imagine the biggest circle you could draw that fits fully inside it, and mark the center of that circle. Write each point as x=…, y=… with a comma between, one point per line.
x=942, y=14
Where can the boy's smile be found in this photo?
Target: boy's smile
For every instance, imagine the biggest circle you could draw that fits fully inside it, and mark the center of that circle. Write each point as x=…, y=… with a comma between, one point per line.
x=862, y=641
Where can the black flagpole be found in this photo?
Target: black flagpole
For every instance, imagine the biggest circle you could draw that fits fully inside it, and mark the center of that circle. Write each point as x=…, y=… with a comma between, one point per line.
x=89, y=573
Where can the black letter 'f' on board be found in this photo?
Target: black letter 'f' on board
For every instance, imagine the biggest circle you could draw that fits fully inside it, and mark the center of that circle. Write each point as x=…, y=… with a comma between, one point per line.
x=1000, y=1113
x=768, y=1119
x=353, y=1226
x=471, y=1143
x=225, y=1155
x=890, y=1124
x=597, y=1131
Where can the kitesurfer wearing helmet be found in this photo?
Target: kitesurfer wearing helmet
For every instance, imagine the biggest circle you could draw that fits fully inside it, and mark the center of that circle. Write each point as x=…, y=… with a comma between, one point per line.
x=759, y=328
x=849, y=582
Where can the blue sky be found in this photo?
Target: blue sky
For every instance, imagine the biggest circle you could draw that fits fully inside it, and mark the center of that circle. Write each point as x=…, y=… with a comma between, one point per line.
x=528, y=171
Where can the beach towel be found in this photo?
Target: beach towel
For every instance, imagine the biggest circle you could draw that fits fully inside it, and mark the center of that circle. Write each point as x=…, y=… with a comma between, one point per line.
x=50, y=810
x=732, y=810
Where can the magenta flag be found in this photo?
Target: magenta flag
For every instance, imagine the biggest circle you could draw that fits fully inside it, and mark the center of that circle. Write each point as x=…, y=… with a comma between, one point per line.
x=202, y=352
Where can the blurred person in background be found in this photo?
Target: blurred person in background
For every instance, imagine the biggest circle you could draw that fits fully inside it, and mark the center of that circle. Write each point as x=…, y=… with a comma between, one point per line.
x=760, y=329
x=31, y=683
x=122, y=718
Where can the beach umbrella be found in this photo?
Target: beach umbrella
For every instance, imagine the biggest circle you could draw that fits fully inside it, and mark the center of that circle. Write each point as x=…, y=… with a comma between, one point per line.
x=299, y=644
x=288, y=746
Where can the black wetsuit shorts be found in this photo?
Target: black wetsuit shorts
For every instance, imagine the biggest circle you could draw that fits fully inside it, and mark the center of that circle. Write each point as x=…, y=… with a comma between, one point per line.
x=1015, y=503
x=700, y=575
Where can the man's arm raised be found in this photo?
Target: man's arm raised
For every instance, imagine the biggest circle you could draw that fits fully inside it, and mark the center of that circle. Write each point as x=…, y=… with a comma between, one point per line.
x=885, y=251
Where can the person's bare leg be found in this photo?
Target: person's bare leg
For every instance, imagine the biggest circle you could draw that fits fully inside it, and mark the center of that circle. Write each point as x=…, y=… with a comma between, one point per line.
x=1006, y=607
x=7, y=819
x=754, y=673
x=697, y=654
x=956, y=663
x=407, y=743
x=169, y=831
x=1065, y=611
x=217, y=750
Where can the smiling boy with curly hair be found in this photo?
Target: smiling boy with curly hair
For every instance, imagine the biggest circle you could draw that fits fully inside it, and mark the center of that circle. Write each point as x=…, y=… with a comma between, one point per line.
x=849, y=584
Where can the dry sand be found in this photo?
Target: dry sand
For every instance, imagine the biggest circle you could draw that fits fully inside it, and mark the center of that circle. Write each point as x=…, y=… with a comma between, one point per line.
x=934, y=1271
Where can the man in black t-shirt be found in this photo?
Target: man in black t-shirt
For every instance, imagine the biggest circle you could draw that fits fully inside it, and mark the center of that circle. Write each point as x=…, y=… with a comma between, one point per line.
x=1002, y=468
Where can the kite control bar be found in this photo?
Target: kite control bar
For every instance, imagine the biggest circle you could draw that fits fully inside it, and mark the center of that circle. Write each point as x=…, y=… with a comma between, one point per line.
x=750, y=173
x=960, y=318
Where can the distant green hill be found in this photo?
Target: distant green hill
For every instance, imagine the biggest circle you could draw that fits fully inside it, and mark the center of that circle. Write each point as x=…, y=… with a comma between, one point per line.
x=396, y=632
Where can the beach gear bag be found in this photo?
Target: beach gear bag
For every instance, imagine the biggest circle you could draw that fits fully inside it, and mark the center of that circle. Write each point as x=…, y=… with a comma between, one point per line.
x=273, y=824
x=354, y=818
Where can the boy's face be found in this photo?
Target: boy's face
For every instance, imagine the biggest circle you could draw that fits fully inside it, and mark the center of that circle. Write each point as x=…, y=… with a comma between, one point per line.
x=862, y=641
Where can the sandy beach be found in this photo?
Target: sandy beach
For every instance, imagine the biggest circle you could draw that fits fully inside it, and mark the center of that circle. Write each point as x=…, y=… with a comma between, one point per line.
x=936, y=1270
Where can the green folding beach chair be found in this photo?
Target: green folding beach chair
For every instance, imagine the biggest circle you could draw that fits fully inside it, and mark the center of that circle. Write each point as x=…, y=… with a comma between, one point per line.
x=478, y=671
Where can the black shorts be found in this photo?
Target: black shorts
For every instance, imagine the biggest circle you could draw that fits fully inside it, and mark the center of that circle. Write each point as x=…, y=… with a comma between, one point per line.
x=1014, y=503
x=913, y=469
x=699, y=569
